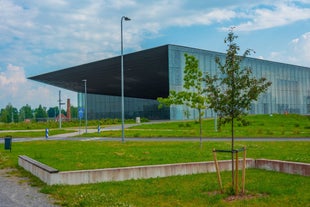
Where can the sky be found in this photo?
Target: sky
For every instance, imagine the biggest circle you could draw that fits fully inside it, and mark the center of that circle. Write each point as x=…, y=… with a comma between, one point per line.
x=39, y=36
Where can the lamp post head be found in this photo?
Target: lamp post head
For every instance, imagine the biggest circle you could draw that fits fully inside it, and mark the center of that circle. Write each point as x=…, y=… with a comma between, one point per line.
x=126, y=18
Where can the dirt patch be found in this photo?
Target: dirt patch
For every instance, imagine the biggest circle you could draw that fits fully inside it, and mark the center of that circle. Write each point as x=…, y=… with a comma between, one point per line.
x=246, y=196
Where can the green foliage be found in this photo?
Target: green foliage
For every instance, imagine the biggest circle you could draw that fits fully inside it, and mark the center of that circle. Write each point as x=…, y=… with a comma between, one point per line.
x=194, y=94
x=233, y=90
x=9, y=114
x=53, y=111
x=40, y=113
x=25, y=113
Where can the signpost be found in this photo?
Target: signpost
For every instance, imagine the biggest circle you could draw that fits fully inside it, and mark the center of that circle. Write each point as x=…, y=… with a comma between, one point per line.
x=81, y=114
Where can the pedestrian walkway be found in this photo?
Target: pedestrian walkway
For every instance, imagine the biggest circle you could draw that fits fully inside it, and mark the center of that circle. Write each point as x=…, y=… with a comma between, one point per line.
x=16, y=192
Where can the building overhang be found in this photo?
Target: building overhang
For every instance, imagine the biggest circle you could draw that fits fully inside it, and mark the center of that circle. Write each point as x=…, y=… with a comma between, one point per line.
x=146, y=75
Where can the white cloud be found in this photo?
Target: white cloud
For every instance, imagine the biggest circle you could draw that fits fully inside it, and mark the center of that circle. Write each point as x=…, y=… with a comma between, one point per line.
x=277, y=14
x=297, y=51
x=300, y=54
x=202, y=17
x=19, y=91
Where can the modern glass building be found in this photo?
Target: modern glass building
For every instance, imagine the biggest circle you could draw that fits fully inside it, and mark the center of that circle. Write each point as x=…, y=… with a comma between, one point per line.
x=151, y=73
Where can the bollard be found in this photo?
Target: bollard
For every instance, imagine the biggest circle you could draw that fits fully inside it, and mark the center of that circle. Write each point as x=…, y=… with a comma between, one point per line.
x=98, y=129
x=46, y=133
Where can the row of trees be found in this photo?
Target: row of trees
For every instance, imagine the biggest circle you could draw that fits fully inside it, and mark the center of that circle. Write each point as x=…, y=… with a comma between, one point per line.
x=12, y=114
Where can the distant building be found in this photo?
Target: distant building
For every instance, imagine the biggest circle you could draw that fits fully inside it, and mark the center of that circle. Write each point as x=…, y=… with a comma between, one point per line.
x=63, y=118
x=151, y=73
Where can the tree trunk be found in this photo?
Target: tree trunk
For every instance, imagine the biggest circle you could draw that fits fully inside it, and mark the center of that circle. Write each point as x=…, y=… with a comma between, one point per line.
x=200, y=130
x=232, y=153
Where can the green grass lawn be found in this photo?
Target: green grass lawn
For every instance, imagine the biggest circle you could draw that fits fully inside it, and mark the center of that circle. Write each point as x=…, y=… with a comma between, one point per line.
x=39, y=133
x=263, y=188
x=77, y=155
x=259, y=126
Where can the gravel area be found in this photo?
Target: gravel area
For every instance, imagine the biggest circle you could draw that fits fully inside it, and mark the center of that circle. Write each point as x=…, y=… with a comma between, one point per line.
x=16, y=192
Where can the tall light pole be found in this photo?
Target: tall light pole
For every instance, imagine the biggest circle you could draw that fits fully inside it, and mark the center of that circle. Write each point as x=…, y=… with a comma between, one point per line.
x=122, y=77
x=60, y=103
x=85, y=103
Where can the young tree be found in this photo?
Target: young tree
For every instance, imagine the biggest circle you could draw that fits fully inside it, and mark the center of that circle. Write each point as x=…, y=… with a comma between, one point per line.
x=232, y=91
x=194, y=95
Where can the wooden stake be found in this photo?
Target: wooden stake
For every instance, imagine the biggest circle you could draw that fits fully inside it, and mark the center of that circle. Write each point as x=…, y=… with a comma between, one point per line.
x=219, y=179
x=243, y=169
x=237, y=169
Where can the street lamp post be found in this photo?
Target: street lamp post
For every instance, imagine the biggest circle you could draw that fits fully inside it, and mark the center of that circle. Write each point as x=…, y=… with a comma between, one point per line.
x=59, y=114
x=122, y=77
x=85, y=102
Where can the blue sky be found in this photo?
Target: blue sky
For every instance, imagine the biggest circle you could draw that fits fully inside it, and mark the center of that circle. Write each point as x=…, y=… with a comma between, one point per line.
x=41, y=36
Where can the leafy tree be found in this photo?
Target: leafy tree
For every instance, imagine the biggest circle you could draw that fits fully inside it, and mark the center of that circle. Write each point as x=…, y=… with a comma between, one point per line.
x=14, y=115
x=4, y=116
x=194, y=94
x=232, y=91
x=9, y=114
x=40, y=113
x=25, y=112
x=53, y=112
x=74, y=112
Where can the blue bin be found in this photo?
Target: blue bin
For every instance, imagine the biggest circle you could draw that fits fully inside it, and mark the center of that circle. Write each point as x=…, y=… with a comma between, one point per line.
x=8, y=143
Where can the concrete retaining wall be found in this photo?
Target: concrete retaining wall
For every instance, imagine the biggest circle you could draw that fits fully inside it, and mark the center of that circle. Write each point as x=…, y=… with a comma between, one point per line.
x=138, y=172
x=51, y=176
x=284, y=166
x=38, y=169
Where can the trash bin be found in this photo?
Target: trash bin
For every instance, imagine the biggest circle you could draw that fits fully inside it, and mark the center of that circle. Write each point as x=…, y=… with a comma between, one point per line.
x=8, y=143
x=138, y=121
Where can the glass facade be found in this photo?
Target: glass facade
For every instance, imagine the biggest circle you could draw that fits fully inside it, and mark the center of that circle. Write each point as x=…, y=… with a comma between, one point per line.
x=289, y=92
x=103, y=106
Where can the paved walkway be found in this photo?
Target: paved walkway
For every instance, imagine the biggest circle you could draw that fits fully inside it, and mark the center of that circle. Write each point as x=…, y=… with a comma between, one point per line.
x=16, y=192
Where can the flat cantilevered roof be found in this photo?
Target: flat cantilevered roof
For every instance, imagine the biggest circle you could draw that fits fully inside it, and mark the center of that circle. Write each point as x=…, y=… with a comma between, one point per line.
x=146, y=75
